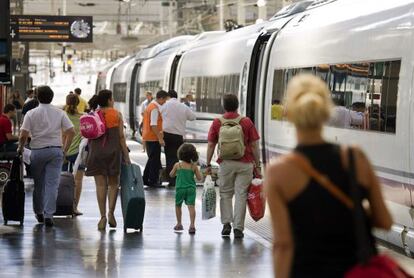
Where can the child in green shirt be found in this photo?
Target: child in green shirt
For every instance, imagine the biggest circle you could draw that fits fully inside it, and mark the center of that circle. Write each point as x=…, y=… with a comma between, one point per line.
x=185, y=186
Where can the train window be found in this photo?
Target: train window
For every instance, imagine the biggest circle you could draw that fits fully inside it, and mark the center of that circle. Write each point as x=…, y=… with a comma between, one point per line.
x=120, y=92
x=152, y=86
x=365, y=94
x=208, y=91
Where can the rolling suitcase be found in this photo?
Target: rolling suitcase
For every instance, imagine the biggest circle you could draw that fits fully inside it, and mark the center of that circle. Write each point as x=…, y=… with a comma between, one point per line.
x=132, y=197
x=66, y=195
x=13, y=194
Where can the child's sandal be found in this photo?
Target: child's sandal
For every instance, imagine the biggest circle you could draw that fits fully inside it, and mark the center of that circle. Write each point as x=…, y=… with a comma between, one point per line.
x=192, y=231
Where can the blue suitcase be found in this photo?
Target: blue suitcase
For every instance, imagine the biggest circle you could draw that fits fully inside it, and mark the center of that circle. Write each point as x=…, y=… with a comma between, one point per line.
x=132, y=197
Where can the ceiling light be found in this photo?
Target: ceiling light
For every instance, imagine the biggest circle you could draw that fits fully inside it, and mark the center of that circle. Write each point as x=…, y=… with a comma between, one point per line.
x=261, y=3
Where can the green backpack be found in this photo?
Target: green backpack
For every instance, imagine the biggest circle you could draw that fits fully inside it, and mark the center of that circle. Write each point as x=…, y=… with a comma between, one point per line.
x=231, y=139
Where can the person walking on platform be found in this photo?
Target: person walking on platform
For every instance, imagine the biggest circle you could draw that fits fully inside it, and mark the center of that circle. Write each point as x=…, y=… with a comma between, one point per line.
x=83, y=105
x=238, y=148
x=18, y=102
x=7, y=139
x=29, y=95
x=309, y=192
x=104, y=159
x=45, y=125
x=185, y=191
x=175, y=116
x=153, y=136
x=72, y=112
x=144, y=105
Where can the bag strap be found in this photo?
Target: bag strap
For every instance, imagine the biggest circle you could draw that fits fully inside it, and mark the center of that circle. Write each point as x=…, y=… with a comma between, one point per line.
x=304, y=164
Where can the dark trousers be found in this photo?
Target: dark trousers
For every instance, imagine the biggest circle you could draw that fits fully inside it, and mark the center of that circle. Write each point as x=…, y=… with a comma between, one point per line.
x=153, y=166
x=172, y=143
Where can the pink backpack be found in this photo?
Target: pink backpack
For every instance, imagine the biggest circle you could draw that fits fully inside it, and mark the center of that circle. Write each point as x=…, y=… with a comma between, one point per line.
x=92, y=125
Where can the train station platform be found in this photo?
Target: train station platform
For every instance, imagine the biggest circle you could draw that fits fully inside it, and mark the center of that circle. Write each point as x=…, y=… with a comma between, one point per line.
x=75, y=248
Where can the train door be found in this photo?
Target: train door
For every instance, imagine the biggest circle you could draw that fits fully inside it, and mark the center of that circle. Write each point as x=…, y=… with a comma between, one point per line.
x=253, y=86
x=173, y=73
x=134, y=99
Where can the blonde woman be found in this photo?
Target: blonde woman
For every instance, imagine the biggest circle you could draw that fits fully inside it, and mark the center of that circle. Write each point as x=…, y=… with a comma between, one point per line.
x=313, y=230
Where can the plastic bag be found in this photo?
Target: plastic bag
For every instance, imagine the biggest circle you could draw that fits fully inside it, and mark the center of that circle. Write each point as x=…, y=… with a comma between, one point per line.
x=208, y=199
x=255, y=199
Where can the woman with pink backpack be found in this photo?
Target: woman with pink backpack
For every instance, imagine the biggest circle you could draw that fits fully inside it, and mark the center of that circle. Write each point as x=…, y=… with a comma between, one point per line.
x=105, y=155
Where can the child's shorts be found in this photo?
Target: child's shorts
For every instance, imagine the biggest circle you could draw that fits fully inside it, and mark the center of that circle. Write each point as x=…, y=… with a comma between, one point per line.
x=185, y=194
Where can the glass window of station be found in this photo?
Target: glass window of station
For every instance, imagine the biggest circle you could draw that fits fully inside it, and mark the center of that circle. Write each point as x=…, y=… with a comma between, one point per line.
x=207, y=91
x=365, y=94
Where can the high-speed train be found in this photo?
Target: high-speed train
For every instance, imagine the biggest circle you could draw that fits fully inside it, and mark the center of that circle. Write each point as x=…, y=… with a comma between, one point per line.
x=364, y=50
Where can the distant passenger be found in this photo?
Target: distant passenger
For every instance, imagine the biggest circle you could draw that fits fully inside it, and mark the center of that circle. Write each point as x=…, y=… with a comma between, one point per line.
x=314, y=232
x=104, y=159
x=7, y=139
x=185, y=190
x=45, y=125
x=72, y=112
x=144, y=105
x=83, y=105
x=18, y=102
x=234, y=175
x=189, y=101
x=277, y=110
x=31, y=104
x=29, y=96
x=93, y=103
x=175, y=116
x=153, y=136
x=343, y=117
x=146, y=102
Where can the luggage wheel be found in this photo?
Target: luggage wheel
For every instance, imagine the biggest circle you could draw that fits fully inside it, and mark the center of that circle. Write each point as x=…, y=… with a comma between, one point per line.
x=5, y=222
x=125, y=230
x=21, y=223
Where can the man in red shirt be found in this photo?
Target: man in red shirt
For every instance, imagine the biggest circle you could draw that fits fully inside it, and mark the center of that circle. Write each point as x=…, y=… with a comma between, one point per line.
x=234, y=176
x=7, y=139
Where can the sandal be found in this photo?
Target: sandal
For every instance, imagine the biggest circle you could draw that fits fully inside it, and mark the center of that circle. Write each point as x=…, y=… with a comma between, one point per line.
x=192, y=230
x=178, y=228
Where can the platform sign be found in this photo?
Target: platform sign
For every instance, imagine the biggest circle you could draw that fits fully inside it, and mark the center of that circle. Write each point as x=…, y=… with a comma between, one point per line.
x=41, y=28
x=5, y=43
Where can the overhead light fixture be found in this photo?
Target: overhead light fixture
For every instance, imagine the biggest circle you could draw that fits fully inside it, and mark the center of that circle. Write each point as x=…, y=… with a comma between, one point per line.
x=261, y=3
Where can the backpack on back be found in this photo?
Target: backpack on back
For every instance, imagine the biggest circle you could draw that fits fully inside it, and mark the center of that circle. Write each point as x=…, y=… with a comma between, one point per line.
x=231, y=139
x=92, y=125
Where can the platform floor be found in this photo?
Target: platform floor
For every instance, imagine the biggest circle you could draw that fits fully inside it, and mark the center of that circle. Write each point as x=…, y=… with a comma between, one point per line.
x=75, y=248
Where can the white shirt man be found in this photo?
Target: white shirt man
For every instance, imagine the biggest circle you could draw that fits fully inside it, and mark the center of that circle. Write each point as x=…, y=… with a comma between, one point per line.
x=345, y=118
x=175, y=116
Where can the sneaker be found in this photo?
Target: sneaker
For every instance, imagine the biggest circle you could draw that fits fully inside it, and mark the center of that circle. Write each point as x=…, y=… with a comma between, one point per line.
x=238, y=233
x=49, y=222
x=40, y=218
x=226, y=230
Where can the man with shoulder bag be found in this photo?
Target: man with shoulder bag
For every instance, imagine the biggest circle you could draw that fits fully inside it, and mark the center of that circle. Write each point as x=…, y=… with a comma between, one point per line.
x=238, y=154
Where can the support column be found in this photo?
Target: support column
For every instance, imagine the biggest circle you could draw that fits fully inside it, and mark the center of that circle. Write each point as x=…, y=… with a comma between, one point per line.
x=221, y=14
x=241, y=12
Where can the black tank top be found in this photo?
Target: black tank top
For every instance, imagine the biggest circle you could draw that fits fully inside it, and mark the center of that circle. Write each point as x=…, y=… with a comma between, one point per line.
x=323, y=228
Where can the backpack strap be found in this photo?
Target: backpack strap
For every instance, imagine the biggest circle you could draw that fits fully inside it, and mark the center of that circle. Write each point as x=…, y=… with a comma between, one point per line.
x=303, y=163
x=236, y=120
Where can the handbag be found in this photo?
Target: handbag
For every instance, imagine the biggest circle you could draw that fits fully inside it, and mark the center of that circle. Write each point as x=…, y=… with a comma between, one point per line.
x=256, y=201
x=370, y=264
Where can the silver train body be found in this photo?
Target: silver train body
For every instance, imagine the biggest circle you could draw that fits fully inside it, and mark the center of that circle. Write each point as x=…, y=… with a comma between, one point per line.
x=363, y=49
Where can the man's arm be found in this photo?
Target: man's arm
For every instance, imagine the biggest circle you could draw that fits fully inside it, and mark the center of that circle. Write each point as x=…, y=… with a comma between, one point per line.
x=24, y=134
x=256, y=152
x=210, y=152
x=159, y=134
x=191, y=116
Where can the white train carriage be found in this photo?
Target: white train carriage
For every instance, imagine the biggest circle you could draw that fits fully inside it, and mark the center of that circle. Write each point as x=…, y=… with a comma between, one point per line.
x=361, y=49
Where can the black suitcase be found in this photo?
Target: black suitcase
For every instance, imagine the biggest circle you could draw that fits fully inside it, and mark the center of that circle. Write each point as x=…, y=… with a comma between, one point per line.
x=66, y=194
x=13, y=194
